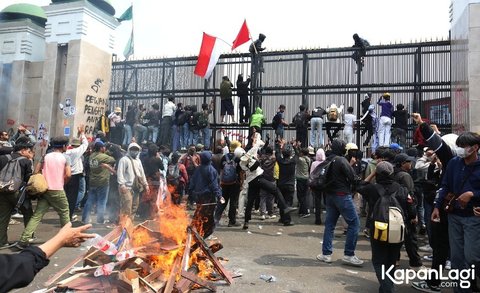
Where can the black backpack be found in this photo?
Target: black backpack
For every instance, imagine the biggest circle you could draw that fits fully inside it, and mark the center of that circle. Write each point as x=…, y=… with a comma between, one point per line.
x=319, y=178
x=300, y=119
x=277, y=119
x=388, y=217
x=11, y=175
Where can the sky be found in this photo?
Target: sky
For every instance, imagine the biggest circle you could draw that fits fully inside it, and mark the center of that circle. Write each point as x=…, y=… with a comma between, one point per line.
x=174, y=28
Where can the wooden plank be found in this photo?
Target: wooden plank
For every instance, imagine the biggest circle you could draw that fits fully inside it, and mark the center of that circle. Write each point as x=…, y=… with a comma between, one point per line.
x=197, y=280
x=183, y=285
x=177, y=266
x=113, y=234
x=150, y=286
x=218, y=266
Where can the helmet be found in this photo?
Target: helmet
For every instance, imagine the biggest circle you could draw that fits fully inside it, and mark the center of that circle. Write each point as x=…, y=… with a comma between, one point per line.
x=239, y=152
x=350, y=146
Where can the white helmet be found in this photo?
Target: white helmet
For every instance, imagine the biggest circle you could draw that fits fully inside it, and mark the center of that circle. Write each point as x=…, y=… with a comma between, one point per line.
x=239, y=152
x=350, y=146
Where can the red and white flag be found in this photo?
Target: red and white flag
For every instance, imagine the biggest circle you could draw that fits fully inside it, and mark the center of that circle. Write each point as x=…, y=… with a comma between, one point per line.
x=242, y=37
x=208, y=56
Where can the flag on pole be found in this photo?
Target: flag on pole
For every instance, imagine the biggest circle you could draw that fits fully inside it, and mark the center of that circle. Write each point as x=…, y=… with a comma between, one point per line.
x=127, y=15
x=242, y=37
x=129, y=47
x=208, y=56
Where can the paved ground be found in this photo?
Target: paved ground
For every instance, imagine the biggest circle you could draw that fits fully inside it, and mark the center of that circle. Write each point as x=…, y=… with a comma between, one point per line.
x=287, y=253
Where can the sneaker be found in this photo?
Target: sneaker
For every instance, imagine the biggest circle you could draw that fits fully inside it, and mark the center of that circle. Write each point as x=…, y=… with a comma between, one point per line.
x=17, y=216
x=352, y=260
x=288, y=224
x=448, y=265
x=423, y=286
x=272, y=216
x=289, y=210
x=428, y=258
x=422, y=230
x=305, y=215
x=21, y=245
x=426, y=248
x=13, y=222
x=366, y=233
x=245, y=226
x=256, y=212
x=33, y=239
x=74, y=218
x=325, y=258
x=234, y=224
x=263, y=217
x=8, y=245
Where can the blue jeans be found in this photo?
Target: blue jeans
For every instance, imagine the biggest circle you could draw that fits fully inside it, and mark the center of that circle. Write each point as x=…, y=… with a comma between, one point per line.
x=316, y=133
x=464, y=243
x=82, y=184
x=98, y=195
x=141, y=132
x=127, y=138
x=193, y=138
x=176, y=138
x=206, y=134
x=184, y=135
x=153, y=133
x=336, y=206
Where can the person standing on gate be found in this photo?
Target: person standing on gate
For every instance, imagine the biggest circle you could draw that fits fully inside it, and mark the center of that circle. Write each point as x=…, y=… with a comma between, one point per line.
x=55, y=167
x=400, y=126
x=316, y=124
x=153, y=117
x=226, y=105
x=242, y=93
x=167, y=122
x=300, y=121
x=349, y=121
x=255, y=49
x=385, y=124
x=204, y=124
x=279, y=123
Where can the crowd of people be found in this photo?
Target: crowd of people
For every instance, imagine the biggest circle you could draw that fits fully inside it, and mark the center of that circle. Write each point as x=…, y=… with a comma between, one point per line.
x=123, y=181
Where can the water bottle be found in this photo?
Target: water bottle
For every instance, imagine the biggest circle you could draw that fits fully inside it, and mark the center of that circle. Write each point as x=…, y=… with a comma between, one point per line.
x=103, y=245
x=104, y=270
x=126, y=254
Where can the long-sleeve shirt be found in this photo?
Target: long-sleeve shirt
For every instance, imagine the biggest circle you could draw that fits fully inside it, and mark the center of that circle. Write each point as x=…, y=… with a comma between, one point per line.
x=18, y=270
x=168, y=109
x=287, y=168
x=387, y=108
x=126, y=174
x=76, y=154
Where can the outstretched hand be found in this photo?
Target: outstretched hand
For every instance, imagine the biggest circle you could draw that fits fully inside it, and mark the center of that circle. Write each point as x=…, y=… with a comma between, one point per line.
x=417, y=118
x=73, y=237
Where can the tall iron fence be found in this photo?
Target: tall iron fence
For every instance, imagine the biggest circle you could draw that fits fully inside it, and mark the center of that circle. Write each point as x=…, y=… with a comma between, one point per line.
x=416, y=75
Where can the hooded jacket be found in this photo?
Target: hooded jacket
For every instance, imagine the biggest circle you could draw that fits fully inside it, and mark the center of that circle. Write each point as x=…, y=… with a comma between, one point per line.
x=341, y=173
x=125, y=172
x=319, y=158
x=455, y=174
x=257, y=118
x=251, y=165
x=205, y=178
x=242, y=86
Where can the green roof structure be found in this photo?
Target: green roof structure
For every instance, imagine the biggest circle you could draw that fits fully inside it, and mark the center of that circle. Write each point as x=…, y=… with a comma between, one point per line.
x=22, y=11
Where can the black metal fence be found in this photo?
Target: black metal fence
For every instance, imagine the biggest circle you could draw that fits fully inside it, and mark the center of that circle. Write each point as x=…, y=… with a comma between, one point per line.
x=416, y=75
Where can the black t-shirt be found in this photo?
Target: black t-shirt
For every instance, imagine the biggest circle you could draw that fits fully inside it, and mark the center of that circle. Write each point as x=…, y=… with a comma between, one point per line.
x=152, y=165
x=401, y=119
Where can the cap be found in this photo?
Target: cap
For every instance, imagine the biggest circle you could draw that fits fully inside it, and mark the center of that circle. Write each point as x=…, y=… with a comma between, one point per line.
x=99, y=142
x=351, y=146
x=239, y=152
x=76, y=142
x=24, y=142
x=199, y=146
x=234, y=145
x=118, y=110
x=400, y=158
x=395, y=146
x=311, y=150
x=386, y=95
x=384, y=168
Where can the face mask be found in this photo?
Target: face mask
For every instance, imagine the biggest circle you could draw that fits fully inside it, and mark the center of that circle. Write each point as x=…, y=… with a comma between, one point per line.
x=464, y=152
x=133, y=154
x=460, y=152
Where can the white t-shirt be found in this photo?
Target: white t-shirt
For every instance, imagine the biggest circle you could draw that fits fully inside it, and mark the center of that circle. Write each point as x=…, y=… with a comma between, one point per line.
x=348, y=119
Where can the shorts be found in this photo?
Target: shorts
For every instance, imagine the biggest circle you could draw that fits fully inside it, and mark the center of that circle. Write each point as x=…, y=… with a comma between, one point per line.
x=226, y=107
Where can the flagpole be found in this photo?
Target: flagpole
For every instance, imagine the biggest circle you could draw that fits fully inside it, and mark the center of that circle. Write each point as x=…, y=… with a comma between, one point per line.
x=133, y=32
x=251, y=39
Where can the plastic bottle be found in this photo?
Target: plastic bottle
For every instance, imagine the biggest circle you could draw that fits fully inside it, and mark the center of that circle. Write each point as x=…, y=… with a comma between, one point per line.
x=103, y=245
x=126, y=254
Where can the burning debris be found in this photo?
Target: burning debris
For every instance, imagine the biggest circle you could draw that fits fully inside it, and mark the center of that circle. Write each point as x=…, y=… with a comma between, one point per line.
x=167, y=254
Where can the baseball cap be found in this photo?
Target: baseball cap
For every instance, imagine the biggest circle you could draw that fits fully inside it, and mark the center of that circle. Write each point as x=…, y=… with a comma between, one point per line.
x=99, y=143
x=76, y=142
x=395, y=146
x=400, y=158
x=384, y=168
x=311, y=150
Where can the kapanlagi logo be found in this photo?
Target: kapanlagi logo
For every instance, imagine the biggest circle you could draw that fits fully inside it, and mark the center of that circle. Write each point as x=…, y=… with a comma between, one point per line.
x=404, y=276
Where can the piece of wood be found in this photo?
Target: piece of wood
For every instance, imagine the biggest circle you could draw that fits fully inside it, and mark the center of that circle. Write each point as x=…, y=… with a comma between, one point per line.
x=135, y=286
x=113, y=234
x=216, y=263
x=177, y=266
x=139, y=262
x=150, y=286
x=197, y=280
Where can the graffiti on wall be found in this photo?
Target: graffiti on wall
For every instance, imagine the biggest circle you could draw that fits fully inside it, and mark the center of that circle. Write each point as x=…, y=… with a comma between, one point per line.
x=94, y=107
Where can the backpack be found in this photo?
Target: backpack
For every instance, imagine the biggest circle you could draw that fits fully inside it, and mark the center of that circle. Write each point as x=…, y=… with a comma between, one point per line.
x=182, y=118
x=318, y=112
x=202, y=120
x=11, y=175
x=318, y=180
x=300, y=119
x=229, y=175
x=332, y=115
x=277, y=119
x=388, y=217
x=173, y=174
